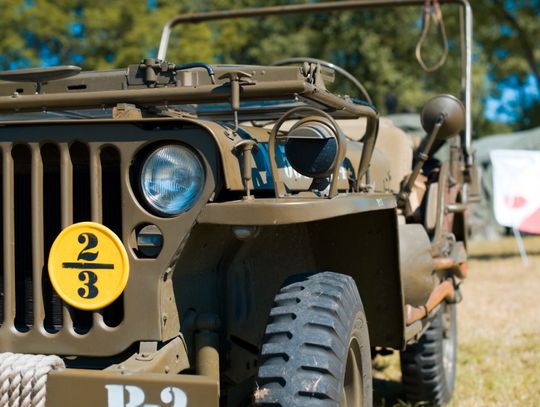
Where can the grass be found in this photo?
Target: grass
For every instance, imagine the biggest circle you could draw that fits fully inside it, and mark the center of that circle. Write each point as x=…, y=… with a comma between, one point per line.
x=499, y=332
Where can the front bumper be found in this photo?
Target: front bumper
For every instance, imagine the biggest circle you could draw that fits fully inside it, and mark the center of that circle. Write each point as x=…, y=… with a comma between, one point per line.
x=92, y=388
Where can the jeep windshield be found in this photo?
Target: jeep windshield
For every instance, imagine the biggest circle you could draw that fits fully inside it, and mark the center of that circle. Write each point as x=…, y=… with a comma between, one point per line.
x=249, y=110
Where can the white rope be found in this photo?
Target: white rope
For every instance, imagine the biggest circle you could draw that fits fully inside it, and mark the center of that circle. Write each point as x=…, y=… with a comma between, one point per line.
x=23, y=378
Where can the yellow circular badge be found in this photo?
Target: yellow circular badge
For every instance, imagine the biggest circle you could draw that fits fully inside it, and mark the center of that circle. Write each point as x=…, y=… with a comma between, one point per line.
x=88, y=266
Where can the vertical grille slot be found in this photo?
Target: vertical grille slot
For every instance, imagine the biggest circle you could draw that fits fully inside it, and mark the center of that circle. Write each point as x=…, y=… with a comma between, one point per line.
x=112, y=217
x=111, y=184
x=66, y=204
x=80, y=160
x=36, y=181
x=2, y=292
x=7, y=234
x=52, y=227
x=24, y=294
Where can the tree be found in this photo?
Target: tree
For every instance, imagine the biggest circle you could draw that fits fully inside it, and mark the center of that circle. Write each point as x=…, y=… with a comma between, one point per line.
x=376, y=46
x=96, y=34
x=509, y=34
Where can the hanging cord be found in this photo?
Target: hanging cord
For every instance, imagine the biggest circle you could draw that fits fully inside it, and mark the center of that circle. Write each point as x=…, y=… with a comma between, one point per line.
x=432, y=11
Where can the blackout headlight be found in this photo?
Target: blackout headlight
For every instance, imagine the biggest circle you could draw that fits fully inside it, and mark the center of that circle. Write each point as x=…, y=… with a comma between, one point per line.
x=312, y=148
x=172, y=178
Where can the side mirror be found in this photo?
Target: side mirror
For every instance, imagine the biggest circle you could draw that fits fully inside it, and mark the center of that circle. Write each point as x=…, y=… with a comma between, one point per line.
x=443, y=117
x=447, y=108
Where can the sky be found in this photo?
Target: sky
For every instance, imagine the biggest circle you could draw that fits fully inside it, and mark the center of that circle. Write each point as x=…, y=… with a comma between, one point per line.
x=502, y=109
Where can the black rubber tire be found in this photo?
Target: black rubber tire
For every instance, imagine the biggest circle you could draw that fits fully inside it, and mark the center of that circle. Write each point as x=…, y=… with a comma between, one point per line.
x=317, y=332
x=429, y=366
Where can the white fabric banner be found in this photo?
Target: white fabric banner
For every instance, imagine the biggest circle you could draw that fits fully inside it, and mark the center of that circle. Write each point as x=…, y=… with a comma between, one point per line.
x=516, y=189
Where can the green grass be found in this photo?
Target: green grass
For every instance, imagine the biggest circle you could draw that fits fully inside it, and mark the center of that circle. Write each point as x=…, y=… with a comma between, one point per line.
x=499, y=332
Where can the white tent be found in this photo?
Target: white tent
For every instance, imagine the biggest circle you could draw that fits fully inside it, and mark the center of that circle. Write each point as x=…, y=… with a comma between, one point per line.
x=483, y=221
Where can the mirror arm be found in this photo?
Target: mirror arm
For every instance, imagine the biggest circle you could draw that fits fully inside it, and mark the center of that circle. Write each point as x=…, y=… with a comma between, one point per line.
x=422, y=156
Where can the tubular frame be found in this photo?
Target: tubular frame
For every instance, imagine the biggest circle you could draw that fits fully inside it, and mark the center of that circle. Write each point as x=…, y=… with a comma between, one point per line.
x=336, y=6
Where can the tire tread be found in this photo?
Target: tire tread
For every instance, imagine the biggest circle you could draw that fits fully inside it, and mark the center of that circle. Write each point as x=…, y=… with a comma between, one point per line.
x=423, y=375
x=324, y=306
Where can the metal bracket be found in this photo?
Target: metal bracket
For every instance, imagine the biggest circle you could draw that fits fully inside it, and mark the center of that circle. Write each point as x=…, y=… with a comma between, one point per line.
x=313, y=73
x=170, y=359
x=126, y=111
x=152, y=73
x=246, y=147
x=236, y=79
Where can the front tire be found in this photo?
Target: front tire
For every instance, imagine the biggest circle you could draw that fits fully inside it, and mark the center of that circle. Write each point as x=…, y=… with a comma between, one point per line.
x=429, y=366
x=316, y=348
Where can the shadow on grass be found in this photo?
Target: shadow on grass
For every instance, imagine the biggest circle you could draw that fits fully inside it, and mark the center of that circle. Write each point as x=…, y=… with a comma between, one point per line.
x=387, y=393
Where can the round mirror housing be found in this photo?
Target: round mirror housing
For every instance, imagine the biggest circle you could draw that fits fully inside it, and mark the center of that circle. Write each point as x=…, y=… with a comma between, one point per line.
x=450, y=110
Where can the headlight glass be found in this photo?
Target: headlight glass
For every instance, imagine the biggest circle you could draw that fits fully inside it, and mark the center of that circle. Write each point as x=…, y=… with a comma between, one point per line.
x=172, y=179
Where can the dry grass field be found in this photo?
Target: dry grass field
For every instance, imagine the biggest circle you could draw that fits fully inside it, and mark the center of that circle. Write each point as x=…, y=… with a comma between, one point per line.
x=499, y=332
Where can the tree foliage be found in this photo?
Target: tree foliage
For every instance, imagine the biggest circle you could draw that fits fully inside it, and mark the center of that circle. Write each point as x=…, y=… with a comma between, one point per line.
x=510, y=35
x=376, y=46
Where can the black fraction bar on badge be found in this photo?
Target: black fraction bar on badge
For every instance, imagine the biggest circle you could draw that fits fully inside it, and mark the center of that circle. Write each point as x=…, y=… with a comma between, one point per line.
x=89, y=266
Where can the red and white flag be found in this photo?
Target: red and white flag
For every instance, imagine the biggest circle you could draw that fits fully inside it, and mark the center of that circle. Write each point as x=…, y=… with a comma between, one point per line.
x=516, y=189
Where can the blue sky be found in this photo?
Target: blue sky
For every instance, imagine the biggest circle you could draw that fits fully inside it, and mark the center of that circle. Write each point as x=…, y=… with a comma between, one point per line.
x=513, y=95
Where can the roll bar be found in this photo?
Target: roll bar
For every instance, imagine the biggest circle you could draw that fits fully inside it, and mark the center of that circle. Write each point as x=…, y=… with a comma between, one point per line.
x=337, y=6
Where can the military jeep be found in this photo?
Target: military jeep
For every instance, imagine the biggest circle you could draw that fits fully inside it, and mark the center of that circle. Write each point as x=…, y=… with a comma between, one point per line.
x=203, y=235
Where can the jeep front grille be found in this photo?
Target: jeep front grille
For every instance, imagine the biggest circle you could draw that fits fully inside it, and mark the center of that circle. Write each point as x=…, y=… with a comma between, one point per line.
x=79, y=170
x=46, y=187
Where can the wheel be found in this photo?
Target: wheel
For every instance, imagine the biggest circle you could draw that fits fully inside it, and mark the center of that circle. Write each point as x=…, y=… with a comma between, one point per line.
x=429, y=366
x=316, y=347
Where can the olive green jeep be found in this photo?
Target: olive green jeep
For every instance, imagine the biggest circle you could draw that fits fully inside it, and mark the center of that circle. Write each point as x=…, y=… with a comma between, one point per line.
x=204, y=235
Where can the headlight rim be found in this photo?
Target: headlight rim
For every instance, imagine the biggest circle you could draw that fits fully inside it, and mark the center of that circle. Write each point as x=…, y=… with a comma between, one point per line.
x=150, y=151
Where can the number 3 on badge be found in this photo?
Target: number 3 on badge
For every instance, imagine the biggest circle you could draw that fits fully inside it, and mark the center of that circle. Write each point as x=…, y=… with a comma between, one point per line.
x=90, y=279
x=88, y=266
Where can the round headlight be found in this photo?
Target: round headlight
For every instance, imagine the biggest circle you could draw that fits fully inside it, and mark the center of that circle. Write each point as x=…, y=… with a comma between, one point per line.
x=172, y=178
x=312, y=148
